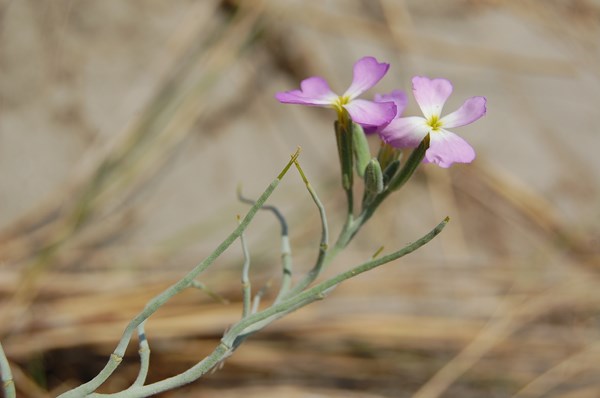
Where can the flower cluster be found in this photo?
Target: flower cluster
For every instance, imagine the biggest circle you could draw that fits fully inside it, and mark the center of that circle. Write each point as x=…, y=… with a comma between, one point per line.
x=384, y=115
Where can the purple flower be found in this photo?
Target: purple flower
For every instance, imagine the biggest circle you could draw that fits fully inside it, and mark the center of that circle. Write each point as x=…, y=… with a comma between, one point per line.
x=399, y=98
x=315, y=91
x=445, y=147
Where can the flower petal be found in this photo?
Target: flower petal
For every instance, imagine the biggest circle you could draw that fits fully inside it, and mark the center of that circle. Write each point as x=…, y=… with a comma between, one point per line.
x=431, y=94
x=313, y=91
x=471, y=110
x=446, y=148
x=405, y=132
x=367, y=72
x=371, y=114
x=398, y=97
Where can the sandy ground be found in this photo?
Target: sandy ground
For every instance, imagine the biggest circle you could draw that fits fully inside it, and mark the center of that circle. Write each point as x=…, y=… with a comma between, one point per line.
x=125, y=128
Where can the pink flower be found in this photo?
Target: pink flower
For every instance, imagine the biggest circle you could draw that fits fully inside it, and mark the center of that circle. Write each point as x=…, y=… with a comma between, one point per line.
x=445, y=147
x=399, y=98
x=315, y=91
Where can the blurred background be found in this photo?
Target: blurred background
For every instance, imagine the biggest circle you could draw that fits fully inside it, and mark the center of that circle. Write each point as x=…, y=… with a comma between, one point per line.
x=125, y=127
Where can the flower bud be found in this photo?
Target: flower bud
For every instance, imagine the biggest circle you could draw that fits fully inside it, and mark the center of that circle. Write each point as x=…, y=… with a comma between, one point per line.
x=373, y=177
x=362, y=153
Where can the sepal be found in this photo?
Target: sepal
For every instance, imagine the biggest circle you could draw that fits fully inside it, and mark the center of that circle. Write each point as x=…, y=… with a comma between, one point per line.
x=390, y=171
x=344, y=144
x=362, y=153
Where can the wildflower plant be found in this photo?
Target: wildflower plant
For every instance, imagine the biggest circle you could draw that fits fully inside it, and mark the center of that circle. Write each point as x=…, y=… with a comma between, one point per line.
x=379, y=176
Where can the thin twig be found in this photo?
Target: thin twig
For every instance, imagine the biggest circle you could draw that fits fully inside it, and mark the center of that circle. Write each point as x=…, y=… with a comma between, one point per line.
x=323, y=246
x=215, y=296
x=144, y=351
x=286, y=250
x=259, y=296
x=246, y=286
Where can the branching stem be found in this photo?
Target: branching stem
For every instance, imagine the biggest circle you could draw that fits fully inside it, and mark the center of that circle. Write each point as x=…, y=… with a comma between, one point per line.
x=154, y=304
x=241, y=330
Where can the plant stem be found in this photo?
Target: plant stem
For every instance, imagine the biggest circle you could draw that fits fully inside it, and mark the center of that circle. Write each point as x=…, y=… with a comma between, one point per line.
x=8, y=384
x=241, y=330
x=187, y=281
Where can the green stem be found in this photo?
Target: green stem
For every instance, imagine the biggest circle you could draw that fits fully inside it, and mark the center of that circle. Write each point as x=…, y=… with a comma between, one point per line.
x=246, y=286
x=323, y=245
x=399, y=179
x=154, y=304
x=201, y=368
x=321, y=288
x=144, y=351
x=8, y=384
x=241, y=330
x=286, y=250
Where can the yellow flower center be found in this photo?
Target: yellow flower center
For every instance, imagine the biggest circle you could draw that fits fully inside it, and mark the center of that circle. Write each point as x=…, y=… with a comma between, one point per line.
x=435, y=123
x=339, y=103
